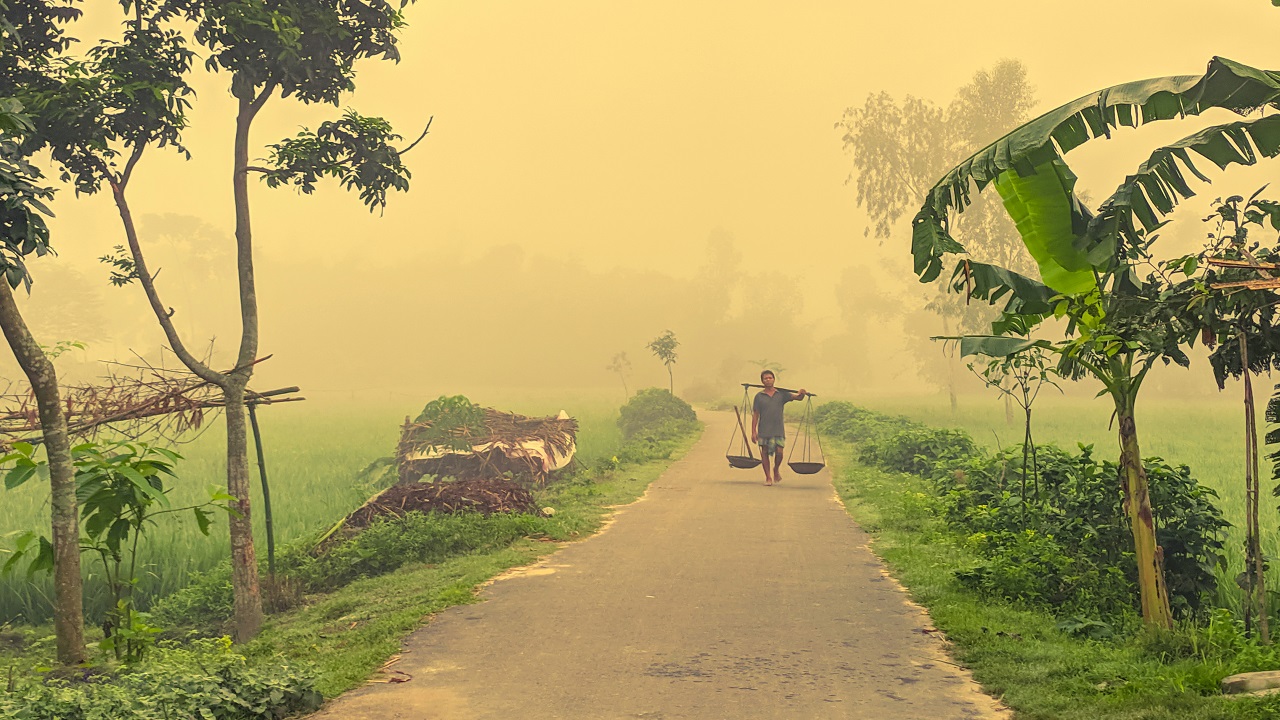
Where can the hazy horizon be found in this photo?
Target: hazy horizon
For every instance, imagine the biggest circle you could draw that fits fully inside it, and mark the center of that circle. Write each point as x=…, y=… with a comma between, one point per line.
x=594, y=175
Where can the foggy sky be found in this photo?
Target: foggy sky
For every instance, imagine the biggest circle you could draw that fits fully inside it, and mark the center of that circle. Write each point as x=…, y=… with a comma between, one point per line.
x=586, y=154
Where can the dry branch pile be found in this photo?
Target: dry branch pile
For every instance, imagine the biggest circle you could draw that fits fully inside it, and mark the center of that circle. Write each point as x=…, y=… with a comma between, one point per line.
x=485, y=496
x=134, y=400
x=477, y=495
x=508, y=445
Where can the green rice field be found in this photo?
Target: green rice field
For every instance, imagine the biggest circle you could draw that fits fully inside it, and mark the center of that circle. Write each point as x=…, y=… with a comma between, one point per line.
x=314, y=453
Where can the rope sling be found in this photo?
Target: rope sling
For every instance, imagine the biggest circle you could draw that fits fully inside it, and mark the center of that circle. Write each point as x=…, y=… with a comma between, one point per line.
x=744, y=458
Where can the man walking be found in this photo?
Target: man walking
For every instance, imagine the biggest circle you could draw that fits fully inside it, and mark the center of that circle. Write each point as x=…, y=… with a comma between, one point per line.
x=768, y=430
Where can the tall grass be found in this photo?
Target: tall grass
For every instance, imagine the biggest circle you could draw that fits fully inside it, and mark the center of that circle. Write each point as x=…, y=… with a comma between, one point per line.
x=1205, y=433
x=314, y=452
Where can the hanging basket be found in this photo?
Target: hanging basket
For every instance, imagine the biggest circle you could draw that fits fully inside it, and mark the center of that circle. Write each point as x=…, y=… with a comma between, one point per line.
x=806, y=468
x=740, y=457
x=809, y=462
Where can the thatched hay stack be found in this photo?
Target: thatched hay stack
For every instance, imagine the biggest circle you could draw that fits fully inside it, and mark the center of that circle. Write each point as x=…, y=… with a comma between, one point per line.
x=526, y=449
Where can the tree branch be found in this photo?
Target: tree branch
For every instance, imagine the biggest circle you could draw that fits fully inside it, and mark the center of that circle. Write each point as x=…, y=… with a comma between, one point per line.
x=134, y=157
x=201, y=370
x=262, y=98
x=420, y=137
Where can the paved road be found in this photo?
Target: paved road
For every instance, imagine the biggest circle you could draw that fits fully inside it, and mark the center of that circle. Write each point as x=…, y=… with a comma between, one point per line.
x=713, y=597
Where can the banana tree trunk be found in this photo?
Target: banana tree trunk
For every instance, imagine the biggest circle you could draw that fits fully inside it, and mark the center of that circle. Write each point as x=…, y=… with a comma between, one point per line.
x=68, y=603
x=1137, y=507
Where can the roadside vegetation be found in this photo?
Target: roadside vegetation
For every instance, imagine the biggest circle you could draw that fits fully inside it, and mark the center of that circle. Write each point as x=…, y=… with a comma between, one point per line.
x=1040, y=597
x=336, y=616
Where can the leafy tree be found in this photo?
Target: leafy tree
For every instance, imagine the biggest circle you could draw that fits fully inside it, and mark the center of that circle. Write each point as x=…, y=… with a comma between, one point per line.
x=621, y=365
x=1098, y=269
x=132, y=95
x=31, y=34
x=900, y=148
x=664, y=348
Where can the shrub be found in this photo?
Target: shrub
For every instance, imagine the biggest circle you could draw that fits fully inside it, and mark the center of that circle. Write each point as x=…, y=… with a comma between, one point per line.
x=1068, y=547
x=656, y=414
x=388, y=543
x=918, y=449
x=854, y=424
x=1078, y=507
x=652, y=424
x=202, y=679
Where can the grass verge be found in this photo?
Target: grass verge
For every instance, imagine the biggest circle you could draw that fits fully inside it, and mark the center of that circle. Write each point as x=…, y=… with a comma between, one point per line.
x=1020, y=655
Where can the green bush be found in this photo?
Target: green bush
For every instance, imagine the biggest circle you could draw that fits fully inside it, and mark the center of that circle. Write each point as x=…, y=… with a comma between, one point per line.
x=391, y=542
x=854, y=424
x=918, y=449
x=201, y=679
x=653, y=422
x=203, y=603
x=1068, y=546
x=1076, y=504
x=656, y=414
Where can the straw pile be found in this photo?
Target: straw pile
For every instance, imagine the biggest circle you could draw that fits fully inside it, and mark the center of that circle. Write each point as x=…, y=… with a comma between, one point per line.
x=489, y=449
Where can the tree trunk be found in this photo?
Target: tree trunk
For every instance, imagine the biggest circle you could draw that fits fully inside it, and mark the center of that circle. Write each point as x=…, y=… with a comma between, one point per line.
x=68, y=606
x=244, y=561
x=1137, y=506
x=248, y=595
x=1008, y=410
x=671, y=382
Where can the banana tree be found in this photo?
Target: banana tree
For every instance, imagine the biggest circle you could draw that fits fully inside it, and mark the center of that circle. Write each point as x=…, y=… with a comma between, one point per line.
x=1119, y=323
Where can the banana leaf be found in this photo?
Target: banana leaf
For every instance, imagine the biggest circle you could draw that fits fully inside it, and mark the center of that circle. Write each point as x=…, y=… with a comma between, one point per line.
x=997, y=345
x=1160, y=183
x=1040, y=204
x=1033, y=148
x=991, y=283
